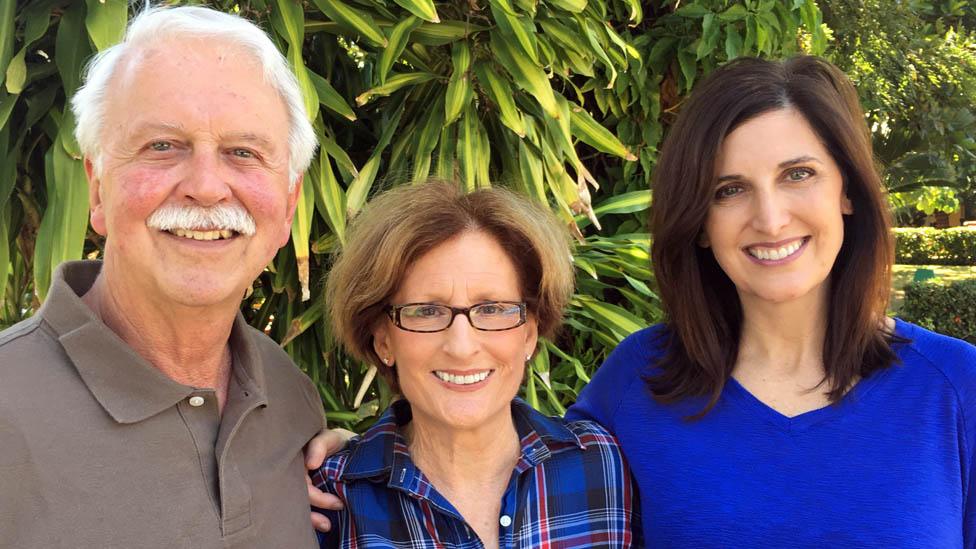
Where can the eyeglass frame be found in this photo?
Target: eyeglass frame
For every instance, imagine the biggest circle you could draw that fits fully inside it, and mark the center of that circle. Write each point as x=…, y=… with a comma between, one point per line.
x=393, y=311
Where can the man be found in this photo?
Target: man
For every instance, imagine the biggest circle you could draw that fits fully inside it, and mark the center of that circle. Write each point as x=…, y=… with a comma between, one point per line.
x=137, y=409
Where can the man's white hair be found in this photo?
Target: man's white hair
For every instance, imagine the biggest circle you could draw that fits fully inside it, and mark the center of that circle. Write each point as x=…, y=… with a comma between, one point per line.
x=154, y=23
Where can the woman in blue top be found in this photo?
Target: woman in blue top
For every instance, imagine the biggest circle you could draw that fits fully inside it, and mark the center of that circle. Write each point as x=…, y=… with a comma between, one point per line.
x=446, y=294
x=778, y=406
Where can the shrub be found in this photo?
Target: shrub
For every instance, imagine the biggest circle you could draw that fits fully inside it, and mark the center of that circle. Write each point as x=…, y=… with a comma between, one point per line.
x=945, y=308
x=929, y=246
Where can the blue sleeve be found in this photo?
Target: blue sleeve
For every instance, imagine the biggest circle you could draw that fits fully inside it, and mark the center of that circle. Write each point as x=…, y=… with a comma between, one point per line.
x=599, y=400
x=956, y=359
x=966, y=389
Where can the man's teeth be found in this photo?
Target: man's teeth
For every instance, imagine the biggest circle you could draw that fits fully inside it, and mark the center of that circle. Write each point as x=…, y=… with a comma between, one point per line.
x=462, y=380
x=775, y=254
x=203, y=235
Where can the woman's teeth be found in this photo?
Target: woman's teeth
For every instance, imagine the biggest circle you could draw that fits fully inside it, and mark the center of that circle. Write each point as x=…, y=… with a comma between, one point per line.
x=203, y=235
x=775, y=254
x=462, y=380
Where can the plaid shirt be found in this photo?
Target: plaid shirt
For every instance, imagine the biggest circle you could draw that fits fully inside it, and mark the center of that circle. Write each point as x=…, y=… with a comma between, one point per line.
x=570, y=488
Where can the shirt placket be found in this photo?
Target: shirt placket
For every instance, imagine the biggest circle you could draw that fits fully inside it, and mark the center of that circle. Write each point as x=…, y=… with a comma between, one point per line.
x=202, y=419
x=509, y=513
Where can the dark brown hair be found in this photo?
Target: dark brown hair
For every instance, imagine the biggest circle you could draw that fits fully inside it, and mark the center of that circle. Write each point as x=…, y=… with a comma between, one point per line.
x=701, y=303
x=399, y=226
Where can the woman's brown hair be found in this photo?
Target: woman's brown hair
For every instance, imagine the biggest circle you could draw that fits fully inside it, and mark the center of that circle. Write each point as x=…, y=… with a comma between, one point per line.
x=399, y=226
x=701, y=303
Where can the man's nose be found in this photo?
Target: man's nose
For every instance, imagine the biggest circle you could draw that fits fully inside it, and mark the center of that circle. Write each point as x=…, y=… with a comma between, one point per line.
x=207, y=181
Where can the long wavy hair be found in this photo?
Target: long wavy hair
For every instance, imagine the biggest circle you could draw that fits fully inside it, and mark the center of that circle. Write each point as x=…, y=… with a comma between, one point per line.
x=700, y=301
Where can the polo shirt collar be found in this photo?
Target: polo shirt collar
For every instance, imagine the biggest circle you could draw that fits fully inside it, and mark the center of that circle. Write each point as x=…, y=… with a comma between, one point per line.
x=127, y=386
x=382, y=451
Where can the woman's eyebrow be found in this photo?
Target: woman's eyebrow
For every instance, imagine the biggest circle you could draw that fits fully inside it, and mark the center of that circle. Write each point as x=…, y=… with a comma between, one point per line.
x=798, y=160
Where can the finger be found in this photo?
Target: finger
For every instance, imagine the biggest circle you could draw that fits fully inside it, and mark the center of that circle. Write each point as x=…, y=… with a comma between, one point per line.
x=321, y=522
x=325, y=444
x=323, y=500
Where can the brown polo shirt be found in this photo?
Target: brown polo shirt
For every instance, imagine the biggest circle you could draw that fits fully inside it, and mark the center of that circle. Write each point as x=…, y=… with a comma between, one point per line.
x=100, y=449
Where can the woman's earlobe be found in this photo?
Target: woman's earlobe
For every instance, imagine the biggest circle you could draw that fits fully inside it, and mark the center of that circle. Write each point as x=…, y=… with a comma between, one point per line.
x=703, y=240
x=846, y=206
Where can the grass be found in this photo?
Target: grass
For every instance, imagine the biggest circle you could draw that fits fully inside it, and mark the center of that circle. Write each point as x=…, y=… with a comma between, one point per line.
x=902, y=275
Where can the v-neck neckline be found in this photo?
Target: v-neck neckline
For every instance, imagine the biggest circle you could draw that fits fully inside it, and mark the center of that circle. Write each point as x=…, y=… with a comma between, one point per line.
x=736, y=392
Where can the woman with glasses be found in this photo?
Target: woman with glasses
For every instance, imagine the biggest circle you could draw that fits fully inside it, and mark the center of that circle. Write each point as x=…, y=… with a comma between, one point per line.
x=446, y=294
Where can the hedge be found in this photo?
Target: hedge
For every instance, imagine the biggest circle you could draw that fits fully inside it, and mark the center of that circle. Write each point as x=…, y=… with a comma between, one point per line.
x=930, y=246
x=945, y=308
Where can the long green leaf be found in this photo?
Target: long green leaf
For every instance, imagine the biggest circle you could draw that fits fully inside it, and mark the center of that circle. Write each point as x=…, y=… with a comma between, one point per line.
x=500, y=93
x=6, y=33
x=423, y=9
x=527, y=75
x=459, y=92
x=359, y=189
x=517, y=28
x=330, y=97
x=393, y=84
x=329, y=197
x=618, y=319
x=426, y=142
x=301, y=229
x=353, y=19
x=469, y=148
x=593, y=134
x=398, y=38
x=289, y=20
x=71, y=47
x=4, y=251
x=106, y=20
x=445, y=32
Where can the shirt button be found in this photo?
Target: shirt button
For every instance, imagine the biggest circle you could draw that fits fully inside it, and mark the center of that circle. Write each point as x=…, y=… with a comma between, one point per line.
x=196, y=401
x=505, y=521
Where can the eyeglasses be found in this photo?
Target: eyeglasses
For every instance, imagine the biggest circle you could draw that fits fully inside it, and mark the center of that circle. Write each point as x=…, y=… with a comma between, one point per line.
x=492, y=316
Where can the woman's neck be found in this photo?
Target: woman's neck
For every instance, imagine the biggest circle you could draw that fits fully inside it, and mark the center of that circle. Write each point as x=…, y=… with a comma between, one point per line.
x=458, y=458
x=784, y=336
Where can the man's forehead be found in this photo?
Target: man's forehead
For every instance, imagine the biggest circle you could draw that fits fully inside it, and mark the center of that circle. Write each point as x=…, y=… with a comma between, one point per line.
x=175, y=51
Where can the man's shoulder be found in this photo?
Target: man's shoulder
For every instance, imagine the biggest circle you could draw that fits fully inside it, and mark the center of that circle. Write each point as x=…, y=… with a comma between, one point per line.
x=282, y=376
x=23, y=329
x=26, y=344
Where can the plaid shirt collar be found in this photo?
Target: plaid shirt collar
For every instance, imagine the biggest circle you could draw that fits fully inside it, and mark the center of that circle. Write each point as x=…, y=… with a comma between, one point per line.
x=382, y=453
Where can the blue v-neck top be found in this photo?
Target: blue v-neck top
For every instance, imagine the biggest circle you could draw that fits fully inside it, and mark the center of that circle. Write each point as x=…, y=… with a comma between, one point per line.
x=890, y=465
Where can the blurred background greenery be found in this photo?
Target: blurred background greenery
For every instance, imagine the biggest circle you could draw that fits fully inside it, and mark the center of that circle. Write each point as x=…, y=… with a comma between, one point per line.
x=565, y=100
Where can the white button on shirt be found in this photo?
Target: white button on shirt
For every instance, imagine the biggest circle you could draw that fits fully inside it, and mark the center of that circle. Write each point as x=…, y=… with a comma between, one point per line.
x=196, y=401
x=505, y=521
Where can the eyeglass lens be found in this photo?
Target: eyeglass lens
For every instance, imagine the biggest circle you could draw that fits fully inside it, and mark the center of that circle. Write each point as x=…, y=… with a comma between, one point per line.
x=430, y=317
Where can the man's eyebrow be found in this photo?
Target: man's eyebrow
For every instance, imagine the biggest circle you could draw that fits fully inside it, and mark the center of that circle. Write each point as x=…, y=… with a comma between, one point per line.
x=156, y=126
x=250, y=137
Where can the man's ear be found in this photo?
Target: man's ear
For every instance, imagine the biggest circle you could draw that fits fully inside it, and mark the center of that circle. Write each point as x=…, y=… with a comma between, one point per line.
x=293, y=194
x=96, y=207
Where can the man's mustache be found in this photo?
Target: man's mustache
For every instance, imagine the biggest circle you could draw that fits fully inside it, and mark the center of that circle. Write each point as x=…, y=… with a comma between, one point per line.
x=231, y=217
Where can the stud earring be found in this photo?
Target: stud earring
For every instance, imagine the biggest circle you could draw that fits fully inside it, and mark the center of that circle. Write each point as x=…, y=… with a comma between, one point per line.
x=386, y=361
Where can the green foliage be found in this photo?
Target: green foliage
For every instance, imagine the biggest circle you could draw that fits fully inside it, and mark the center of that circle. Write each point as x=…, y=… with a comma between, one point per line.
x=914, y=64
x=930, y=246
x=926, y=199
x=945, y=308
x=564, y=100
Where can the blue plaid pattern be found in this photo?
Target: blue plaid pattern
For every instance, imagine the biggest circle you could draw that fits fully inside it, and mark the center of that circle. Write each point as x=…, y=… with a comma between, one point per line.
x=570, y=489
